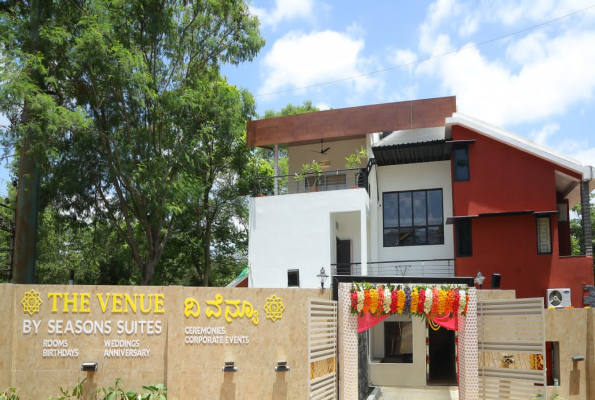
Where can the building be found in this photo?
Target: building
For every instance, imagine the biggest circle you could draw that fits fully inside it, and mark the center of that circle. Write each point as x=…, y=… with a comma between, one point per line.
x=440, y=194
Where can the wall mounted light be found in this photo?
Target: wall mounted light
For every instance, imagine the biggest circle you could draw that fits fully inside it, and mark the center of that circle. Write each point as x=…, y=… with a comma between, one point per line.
x=578, y=358
x=322, y=276
x=229, y=367
x=89, y=367
x=282, y=367
x=479, y=279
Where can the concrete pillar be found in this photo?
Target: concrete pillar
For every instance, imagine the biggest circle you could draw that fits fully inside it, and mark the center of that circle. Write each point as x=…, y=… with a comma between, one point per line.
x=586, y=218
x=364, y=242
x=276, y=169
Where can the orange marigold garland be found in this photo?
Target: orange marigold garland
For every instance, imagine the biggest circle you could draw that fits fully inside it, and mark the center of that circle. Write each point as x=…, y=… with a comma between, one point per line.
x=373, y=301
x=414, y=300
x=441, y=301
x=449, y=302
x=466, y=304
x=366, y=300
x=435, y=300
x=401, y=301
x=380, y=310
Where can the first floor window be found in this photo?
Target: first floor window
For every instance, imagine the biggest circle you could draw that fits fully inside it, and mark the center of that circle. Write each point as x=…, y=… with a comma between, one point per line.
x=413, y=218
x=544, y=235
x=293, y=278
x=464, y=238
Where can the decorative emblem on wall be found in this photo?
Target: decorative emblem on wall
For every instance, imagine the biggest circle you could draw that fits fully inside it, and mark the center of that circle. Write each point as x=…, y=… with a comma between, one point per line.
x=31, y=302
x=274, y=308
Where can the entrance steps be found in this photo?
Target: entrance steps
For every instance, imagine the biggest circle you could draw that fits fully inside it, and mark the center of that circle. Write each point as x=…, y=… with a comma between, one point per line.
x=425, y=393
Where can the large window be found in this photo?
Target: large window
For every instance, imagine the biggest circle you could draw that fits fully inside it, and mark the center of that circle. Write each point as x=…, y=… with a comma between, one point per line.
x=413, y=218
x=544, y=235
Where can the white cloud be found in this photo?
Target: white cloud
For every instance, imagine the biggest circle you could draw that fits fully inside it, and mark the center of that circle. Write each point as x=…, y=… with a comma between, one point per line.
x=586, y=156
x=545, y=85
x=403, y=57
x=541, y=136
x=299, y=59
x=284, y=10
x=322, y=106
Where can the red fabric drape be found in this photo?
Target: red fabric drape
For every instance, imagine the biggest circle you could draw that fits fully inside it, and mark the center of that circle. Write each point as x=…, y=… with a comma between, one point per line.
x=367, y=321
x=448, y=322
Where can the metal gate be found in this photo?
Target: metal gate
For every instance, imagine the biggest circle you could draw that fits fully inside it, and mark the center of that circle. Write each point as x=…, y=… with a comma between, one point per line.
x=511, y=345
x=322, y=349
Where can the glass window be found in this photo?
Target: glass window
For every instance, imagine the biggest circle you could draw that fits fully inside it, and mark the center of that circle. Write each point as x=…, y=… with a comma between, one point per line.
x=461, y=164
x=544, y=236
x=398, y=342
x=464, y=238
x=413, y=218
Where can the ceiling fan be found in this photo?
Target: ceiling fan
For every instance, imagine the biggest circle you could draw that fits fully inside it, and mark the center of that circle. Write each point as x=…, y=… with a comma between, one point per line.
x=322, y=151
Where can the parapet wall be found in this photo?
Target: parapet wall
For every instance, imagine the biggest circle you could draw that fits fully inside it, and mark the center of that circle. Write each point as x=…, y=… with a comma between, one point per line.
x=179, y=336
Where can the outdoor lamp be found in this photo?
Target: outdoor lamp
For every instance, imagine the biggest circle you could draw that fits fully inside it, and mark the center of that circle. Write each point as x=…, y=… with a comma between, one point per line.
x=90, y=366
x=479, y=279
x=282, y=367
x=322, y=276
x=229, y=367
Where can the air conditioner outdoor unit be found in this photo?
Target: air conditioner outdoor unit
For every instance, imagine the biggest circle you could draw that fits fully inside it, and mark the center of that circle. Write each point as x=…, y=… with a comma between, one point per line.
x=558, y=298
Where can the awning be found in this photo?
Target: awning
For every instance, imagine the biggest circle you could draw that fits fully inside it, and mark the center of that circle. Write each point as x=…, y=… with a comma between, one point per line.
x=452, y=220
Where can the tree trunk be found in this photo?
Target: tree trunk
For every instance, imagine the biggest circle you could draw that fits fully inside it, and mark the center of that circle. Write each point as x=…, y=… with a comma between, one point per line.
x=147, y=271
x=207, y=250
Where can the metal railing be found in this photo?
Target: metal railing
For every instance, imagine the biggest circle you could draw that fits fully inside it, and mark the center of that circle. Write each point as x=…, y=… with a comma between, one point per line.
x=430, y=268
x=328, y=180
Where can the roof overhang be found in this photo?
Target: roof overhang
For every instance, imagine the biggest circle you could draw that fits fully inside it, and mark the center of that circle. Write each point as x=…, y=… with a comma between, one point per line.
x=452, y=220
x=352, y=122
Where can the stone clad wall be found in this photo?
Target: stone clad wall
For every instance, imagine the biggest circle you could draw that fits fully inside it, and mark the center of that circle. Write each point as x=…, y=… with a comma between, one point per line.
x=158, y=354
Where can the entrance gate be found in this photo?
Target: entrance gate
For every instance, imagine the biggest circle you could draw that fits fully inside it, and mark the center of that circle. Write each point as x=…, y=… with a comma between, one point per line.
x=322, y=349
x=511, y=346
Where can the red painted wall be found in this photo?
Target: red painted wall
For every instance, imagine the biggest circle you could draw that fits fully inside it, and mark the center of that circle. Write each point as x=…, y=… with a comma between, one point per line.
x=505, y=179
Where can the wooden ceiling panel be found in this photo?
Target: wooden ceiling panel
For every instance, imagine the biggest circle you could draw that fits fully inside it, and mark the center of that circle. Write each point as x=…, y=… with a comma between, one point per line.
x=350, y=122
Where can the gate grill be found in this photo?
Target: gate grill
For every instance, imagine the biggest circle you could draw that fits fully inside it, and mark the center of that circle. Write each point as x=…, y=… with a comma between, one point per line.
x=511, y=345
x=322, y=348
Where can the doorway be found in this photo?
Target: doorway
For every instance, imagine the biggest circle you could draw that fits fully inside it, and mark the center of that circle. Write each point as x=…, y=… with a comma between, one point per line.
x=343, y=257
x=442, y=369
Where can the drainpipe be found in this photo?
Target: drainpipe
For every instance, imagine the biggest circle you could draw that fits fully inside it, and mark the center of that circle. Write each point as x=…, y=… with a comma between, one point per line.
x=586, y=213
x=276, y=169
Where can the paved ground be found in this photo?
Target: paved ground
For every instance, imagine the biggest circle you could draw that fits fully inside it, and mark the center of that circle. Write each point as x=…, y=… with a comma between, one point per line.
x=434, y=393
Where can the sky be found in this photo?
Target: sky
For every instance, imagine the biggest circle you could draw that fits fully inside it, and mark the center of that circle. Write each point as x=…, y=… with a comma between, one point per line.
x=538, y=83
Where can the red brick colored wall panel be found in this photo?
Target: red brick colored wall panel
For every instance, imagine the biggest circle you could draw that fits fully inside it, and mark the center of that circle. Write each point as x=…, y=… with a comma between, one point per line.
x=502, y=179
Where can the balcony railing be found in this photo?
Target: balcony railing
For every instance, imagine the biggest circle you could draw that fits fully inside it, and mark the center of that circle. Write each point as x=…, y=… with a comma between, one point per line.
x=430, y=268
x=328, y=180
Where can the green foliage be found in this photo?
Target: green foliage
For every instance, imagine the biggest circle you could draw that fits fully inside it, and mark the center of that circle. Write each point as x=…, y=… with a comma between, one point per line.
x=290, y=109
x=576, y=230
x=151, y=392
x=355, y=160
x=309, y=169
x=133, y=124
x=10, y=393
x=75, y=393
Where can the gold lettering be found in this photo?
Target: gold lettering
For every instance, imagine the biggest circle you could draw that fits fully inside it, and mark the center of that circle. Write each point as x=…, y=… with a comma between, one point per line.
x=54, y=296
x=235, y=314
x=247, y=309
x=73, y=302
x=216, y=303
x=189, y=304
x=159, y=298
x=127, y=301
x=85, y=303
x=142, y=304
x=116, y=303
x=101, y=303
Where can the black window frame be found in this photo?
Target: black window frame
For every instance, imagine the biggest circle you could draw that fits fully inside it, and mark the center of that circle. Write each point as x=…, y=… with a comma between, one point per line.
x=297, y=277
x=455, y=161
x=461, y=227
x=549, y=219
x=427, y=225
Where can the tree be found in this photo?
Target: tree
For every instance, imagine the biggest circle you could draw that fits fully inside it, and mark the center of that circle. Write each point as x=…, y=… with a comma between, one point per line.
x=576, y=230
x=145, y=72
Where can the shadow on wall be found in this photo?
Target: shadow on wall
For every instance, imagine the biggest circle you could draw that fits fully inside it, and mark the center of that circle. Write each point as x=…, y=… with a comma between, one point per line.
x=228, y=387
x=574, y=388
x=280, y=387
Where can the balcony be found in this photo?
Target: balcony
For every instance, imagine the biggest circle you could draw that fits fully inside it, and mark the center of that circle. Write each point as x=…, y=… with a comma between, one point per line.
x=427, y=268
x=327, y=181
